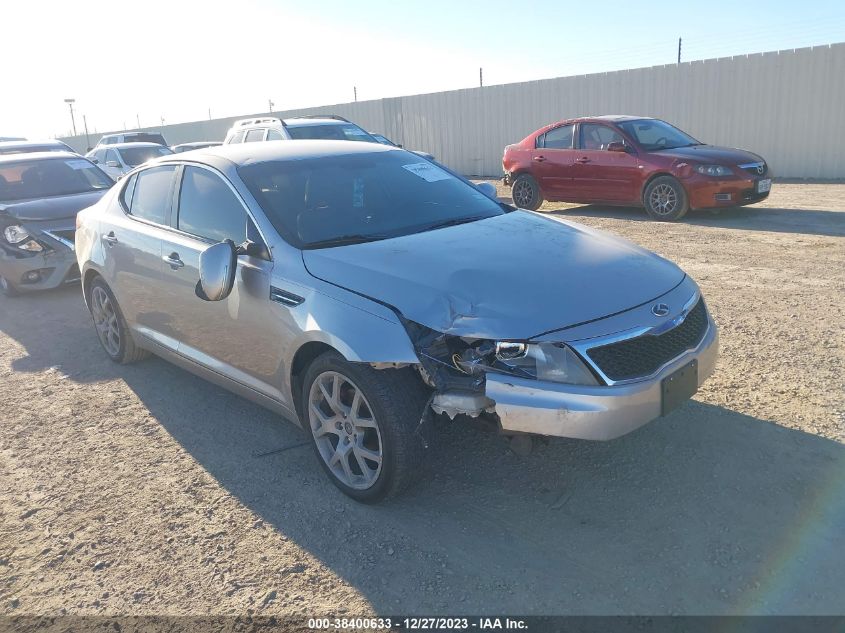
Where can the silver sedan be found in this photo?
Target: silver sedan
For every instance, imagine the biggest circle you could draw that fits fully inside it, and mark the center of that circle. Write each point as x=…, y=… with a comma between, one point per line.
x=357, y=288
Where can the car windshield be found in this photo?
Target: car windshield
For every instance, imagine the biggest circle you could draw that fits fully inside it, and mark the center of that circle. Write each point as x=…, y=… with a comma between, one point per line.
x=143, y=137
x=654, y=135
x=50, y=177
x=384, y=140
x=331, y=132
x=336, y=200
x=134, y=156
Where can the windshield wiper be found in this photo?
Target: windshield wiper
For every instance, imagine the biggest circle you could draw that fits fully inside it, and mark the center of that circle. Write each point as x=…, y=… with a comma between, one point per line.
x=344, y=240
x=454, y=222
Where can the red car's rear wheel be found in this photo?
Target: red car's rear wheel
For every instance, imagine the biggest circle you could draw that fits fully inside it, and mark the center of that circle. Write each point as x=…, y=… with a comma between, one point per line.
x=526, y=192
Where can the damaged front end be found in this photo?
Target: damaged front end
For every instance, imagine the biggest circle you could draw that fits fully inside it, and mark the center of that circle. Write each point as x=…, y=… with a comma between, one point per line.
x=456, y=367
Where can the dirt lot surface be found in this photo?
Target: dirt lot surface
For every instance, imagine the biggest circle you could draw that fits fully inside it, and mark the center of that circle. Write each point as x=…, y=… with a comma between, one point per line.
x=145, y=490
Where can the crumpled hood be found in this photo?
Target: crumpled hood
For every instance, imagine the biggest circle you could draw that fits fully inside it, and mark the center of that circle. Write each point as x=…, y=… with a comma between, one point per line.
x=714, y=154
x=513, y=276
x=51, y=208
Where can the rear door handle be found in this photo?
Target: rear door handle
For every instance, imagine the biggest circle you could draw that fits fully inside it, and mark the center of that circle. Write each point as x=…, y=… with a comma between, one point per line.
x=173, y=260
x=582, y=160
x=539, y=159
x=110, y=239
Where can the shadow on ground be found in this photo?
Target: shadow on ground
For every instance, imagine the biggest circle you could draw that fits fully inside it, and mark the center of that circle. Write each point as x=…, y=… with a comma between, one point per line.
x=705, y=511
x=806, y=221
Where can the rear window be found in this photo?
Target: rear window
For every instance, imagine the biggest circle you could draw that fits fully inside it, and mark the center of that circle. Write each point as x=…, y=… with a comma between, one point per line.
x=50, y=177
x=23, y=149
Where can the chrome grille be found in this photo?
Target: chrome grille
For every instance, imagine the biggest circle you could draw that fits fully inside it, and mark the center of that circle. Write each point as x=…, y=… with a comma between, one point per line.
x=644, y=355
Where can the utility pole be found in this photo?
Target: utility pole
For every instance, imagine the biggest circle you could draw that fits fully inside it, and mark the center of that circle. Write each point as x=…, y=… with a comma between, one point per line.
x=87, y=141
x=355, y=93
x=72, y=119
x=209, y=114
x=480, y=77
x=679, y=50
x=271, y=104
x=138, y=121
x=162, y=123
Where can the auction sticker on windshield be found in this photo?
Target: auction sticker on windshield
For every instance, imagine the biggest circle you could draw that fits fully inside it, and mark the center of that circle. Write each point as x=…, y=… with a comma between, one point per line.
x=427, y=171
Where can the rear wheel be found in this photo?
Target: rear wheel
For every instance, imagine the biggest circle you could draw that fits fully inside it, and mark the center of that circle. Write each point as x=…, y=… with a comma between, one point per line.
x=364, y=425
x=111, y=327
x=526, y=192
x=665, y=199
x=7, y=288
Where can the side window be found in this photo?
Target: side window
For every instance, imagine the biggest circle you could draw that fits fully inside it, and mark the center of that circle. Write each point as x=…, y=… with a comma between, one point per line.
x=559, y=137
x=539, y=142
x=111, y=155
x=209, y=209
x=274, y=135
x=151, y=197
x=598, y=137
x=238, y=137
x=128, y=190
x=254, y=135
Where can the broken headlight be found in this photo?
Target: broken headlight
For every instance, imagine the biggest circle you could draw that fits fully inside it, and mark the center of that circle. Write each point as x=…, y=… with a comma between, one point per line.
x=552, y=362
x=15, y=234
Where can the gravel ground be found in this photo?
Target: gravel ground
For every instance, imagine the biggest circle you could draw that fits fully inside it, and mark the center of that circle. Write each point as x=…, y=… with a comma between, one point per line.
x=145, y=490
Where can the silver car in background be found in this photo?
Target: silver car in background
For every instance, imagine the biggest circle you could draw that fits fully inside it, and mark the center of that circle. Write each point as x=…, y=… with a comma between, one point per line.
x=120, y=158
x=354, y=288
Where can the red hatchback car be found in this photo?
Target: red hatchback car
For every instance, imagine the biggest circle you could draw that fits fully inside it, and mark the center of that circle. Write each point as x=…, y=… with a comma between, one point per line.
x=631, y=161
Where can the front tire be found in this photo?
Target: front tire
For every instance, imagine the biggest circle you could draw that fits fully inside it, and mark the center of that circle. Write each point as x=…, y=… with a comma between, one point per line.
x=665, y=199
x=7, y=288
x=364, y=425
x=526, y=193
x=111, y=327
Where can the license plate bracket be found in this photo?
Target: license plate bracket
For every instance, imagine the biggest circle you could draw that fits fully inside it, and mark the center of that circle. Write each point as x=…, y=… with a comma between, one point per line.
x=678, y=387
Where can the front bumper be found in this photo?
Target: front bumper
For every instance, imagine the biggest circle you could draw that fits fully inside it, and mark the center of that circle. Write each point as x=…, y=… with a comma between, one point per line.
x=586, y=412
x=55, y=267
x=710, y=193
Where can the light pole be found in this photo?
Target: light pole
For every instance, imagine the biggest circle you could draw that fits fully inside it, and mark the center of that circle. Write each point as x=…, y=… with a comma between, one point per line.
x=271, y=104
x=70, y=102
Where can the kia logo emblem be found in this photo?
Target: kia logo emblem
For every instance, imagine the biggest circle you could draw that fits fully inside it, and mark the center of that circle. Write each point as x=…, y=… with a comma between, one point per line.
x=660, y=309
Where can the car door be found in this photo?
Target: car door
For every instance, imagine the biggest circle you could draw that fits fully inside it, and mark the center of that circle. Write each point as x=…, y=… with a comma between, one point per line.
x=601, y=175
x=238, y=336
x=552, y=161
x=131, y=236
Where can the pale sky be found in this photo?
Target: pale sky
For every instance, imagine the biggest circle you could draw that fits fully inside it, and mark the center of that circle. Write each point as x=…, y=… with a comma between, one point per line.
x=178, y=58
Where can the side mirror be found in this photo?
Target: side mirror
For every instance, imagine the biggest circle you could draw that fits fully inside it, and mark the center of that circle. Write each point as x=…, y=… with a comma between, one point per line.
x=112, y=163
x=488, y=189
x=616, y=146
x=217, y=267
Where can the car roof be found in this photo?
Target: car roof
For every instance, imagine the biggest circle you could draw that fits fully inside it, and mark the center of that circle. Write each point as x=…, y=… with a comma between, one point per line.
x=28, y=143
x=300, y=122
x=193, y=143
x=133, y=144
x=252, y=153
x=616, y=117
x=13, y=158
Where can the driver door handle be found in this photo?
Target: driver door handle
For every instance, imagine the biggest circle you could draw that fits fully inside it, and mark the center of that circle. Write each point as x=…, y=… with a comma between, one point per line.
x=539, y=159
x=582, y=160
x=173, y=260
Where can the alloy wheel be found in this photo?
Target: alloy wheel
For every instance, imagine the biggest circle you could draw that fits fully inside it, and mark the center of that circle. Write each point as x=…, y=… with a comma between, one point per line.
x=663, y=199
x=523, y=193
x=105, y=320
x=345, y=430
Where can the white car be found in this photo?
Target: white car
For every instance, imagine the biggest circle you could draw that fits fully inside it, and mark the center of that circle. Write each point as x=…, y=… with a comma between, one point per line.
x=117, y=160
